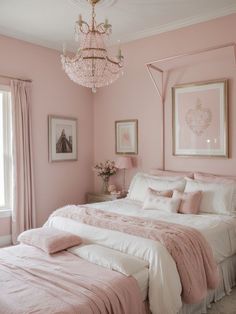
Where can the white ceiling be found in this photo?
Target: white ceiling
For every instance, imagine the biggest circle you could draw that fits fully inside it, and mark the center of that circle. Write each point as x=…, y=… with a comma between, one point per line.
x=51, y=22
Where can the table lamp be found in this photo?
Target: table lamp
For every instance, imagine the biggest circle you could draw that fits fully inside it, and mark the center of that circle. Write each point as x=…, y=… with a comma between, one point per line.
x=124, y=162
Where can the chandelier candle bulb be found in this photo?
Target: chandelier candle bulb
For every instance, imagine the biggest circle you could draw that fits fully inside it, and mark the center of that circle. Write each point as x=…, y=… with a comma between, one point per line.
x=80, y=20
x=106, y=24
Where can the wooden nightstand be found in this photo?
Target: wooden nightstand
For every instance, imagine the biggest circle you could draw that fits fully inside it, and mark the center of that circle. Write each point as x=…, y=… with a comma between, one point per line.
x=98, y=197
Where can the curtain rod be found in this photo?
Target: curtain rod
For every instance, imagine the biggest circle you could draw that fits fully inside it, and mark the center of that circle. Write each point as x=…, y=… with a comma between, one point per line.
x=15, y=78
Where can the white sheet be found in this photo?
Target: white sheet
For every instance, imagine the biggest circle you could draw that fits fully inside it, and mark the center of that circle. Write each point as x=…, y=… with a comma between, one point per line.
x=108, y=258
x=164, y=281
x=142, y=279
x=112, y=259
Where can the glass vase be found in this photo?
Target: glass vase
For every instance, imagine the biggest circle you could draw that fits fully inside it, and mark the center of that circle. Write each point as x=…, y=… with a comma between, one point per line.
x=105, y=186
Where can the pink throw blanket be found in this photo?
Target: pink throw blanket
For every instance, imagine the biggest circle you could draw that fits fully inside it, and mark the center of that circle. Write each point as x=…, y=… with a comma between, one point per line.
x=32, y=281
x=193, y=256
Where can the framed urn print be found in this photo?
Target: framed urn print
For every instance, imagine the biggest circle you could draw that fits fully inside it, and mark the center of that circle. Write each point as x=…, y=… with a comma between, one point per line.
x=200, y=119
x=126, y=136
x=62, y=138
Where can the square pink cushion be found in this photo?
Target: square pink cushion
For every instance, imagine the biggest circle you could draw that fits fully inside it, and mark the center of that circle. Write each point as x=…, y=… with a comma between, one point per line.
x=190, y=201
x=48, y=239
x=170, y=173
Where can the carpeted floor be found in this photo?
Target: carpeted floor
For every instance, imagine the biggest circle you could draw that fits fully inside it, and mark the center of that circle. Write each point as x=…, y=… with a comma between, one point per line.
x=226, y=306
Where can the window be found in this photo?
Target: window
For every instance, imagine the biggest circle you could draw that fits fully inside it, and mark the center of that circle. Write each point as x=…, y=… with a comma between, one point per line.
x=5, y=148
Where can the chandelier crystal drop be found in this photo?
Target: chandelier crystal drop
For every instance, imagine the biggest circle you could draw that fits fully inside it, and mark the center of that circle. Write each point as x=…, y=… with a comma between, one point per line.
x=91, y=66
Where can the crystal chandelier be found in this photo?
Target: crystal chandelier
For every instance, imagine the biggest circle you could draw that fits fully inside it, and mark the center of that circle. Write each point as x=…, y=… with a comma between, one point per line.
x=91, y=66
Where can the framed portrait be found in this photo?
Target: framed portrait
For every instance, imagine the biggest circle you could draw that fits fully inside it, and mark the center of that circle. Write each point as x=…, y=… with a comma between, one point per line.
x=126, y=136
x=62, y=138
x=200, y=119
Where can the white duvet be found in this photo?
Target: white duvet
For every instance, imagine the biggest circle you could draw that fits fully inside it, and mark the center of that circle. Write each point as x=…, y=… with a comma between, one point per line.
x=164, y=281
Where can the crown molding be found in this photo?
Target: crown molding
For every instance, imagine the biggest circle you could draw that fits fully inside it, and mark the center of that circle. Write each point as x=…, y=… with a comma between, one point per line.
x=179, y=24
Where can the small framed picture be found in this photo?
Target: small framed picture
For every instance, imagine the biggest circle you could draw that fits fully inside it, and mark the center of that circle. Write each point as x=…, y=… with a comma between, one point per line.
x=62, y=138
x=126, y=136
x=200, y=119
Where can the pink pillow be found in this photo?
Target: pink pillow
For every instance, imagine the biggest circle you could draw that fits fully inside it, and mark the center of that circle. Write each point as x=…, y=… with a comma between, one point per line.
x=170, y=173
x=166, y=193
x=48, y=239
x=190, y=201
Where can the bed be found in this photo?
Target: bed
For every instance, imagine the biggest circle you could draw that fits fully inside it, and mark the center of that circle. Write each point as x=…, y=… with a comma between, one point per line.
x=158, y=282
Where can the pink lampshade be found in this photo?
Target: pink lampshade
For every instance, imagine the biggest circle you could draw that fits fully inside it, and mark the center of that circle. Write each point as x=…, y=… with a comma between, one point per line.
x=124, y=162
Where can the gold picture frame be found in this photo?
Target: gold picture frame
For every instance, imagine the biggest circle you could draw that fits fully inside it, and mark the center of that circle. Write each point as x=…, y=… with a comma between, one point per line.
x=126, y=137
x=200, y=119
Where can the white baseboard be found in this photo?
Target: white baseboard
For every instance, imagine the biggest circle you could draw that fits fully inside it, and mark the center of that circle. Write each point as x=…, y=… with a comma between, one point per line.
x=5, y=240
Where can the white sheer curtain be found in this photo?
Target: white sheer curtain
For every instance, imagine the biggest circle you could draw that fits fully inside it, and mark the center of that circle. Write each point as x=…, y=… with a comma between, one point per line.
x=23, y=215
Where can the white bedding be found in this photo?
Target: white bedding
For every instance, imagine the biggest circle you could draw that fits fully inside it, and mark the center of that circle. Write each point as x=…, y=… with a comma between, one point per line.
x=142, y=279
x=164, y=281
x=219, y=230
x=125, y=264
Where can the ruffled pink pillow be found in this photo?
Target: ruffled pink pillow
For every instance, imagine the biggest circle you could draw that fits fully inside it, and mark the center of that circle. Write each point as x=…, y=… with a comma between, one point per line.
x=50, y=240
x=190, y=201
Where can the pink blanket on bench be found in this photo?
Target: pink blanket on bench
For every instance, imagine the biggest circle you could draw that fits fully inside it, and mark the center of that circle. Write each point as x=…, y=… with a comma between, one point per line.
x=193, y=256
x=33, y=282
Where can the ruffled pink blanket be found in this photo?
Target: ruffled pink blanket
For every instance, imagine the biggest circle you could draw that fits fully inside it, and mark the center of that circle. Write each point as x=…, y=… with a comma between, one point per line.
x=193, y=256
x=32, y=281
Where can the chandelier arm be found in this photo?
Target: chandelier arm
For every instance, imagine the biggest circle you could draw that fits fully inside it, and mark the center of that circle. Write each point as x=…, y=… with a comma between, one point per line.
x=103, y=29
x=114, y=62
x=81, y=28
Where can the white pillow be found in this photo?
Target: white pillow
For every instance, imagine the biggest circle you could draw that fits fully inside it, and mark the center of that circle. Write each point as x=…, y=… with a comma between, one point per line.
x=205, y=177
x=141, y=182
x=167, y=204
x=115, y=260
x=216, y=198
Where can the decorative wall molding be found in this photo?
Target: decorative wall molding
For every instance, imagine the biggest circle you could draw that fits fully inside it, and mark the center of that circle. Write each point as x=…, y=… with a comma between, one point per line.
x=5, y=240
x=119, y=7
x=160, y=86
x=179, y=24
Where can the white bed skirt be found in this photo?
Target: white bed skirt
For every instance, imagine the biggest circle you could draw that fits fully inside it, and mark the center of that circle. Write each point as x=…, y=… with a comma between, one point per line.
x=228, y=280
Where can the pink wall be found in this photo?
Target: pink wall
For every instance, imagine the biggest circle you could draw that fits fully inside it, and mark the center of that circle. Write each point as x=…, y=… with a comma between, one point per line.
x=56, y=184
x=134, y=97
